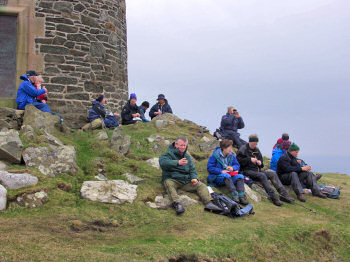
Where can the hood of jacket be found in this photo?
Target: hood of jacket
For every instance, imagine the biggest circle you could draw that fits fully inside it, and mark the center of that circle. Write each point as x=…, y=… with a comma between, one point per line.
x=96, y=103
x=24, y=77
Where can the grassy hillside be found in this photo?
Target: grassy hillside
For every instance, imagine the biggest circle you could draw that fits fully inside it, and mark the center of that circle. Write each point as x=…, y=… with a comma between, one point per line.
x=69, y=228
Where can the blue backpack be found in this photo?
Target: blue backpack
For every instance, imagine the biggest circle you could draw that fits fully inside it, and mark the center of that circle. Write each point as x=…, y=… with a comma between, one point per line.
x=330, y=191
x=229, y=207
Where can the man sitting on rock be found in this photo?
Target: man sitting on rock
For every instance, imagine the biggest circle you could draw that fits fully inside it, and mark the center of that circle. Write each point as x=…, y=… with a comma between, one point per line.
x=223, y=170
x=27, y=93
x=143, y=108
x=179, y=173
x=230, y=123
x=251, y=161
x=292, y=173
x=97, y=114
x=130, y=112
x=161, y=107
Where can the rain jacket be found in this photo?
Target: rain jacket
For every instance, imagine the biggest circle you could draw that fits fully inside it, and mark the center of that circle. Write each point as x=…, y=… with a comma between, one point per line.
x=27, y=93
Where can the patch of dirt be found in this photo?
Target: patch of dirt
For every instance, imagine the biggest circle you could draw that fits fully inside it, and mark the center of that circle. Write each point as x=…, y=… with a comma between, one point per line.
x=324, y=239
x=64, y=186
x=196, y=258
x=98, y=225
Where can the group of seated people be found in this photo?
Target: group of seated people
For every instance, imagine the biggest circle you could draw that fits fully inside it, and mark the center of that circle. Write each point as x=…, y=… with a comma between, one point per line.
x=226, y=169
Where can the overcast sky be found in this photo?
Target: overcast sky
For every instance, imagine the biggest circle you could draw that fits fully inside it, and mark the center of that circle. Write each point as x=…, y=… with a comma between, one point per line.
x=285, y=65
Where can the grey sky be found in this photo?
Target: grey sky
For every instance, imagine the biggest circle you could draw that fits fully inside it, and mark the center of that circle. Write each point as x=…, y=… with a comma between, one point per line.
x=284, y=64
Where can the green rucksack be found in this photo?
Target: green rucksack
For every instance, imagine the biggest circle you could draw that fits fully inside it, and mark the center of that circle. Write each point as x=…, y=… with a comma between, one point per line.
x=330, y=191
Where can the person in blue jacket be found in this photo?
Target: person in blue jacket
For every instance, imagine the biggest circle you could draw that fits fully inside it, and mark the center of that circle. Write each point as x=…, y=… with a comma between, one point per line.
x=161, y=107
x=143, y=108
x=230, y=123
x=27, y=93
x=223, y=170
x=98, y=111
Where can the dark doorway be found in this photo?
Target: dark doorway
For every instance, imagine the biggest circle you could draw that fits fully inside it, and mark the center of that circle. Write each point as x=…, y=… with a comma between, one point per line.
x=8, y=46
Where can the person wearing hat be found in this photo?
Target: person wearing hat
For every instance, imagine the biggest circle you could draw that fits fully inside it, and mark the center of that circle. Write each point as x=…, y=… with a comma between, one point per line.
x=97, y=114
x=292, y=173
x=162, y=107
x=279, y=149
x=27, y=93
x=130, y=112
x=251, y=161
x=143, y=108
x=230, y=123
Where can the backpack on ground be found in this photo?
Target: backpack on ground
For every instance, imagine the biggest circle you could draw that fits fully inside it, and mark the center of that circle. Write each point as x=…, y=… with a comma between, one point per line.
x=330, y=191
x=229, y=207
x=219, y=133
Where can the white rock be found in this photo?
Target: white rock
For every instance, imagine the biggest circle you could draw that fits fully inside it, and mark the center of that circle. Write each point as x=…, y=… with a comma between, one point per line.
x=113, y=191
x=102, y=135
x=153, y=162
x=133, y=179
x=15, y=181
x=3, y=197
x=11, y=146
x=256, y=197
x=3, y=166
x=164, y=202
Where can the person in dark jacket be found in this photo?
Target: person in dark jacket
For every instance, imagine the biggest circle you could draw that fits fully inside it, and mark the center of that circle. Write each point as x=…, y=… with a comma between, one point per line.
x=143, y=108
x=98, y=112
x=130, y=112
x=179, y=172
x=251, y=161
x=223, y=170
x=27, y=93
x=292, y=173
x=230, y=123
x=161, y=107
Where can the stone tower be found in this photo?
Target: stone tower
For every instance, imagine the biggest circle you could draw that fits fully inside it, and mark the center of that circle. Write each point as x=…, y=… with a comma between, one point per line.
x=78, y=46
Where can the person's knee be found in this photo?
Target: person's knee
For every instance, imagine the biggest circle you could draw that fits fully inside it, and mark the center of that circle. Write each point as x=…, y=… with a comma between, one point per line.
x=261, y=177
x=168, y=183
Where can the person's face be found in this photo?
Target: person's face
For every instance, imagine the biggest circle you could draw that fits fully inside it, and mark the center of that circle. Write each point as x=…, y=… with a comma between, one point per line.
x=103, y=101
x=253, y=145
x=37, y=81
x=32, y=79
x=133, y=101
x=181, y=145
x=227, y=150
x=161, y=101
x=294, y=153
x=231, y=111
x=145, y=108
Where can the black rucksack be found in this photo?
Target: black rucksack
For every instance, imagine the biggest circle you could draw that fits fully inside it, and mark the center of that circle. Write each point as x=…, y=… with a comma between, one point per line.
x=229, y=207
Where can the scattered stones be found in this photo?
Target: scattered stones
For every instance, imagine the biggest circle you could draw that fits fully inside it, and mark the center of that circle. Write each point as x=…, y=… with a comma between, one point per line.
x=164, y=202
x=120, y=142
x=3, y=197
x=51, y=162
x=15, y=181
x=32, y=200
x=133, y=179
x=252, y=194
x=113, y=191
x=209, y=146
x=153, y=162
x=11, y=146
x=102, y=135
x=101, y=177
x=161, y=143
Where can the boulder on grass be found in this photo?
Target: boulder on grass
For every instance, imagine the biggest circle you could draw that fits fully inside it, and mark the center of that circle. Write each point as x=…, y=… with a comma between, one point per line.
x=11, y=146
x=120, y=142
x=164, y=202
x=32, y=200
x=3, y=197
x=153, y=162
x=15, y=181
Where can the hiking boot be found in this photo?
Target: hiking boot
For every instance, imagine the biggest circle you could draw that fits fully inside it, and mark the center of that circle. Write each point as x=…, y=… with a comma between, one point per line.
x=275, y=200
x=286, y=198
x=301, y=198
x=234, y=197
x=243, y=201
x=318, y=176
x=320, y=194
x=212, y=206
x=179, y=208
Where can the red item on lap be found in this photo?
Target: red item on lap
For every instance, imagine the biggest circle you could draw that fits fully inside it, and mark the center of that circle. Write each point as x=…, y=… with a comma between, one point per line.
x=234, y=173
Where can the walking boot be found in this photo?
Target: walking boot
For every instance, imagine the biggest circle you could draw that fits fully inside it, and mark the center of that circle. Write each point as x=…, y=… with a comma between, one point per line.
x=179, y=208
x=285, y=197
x=242, y=199
x=301, y=198
x=275, y=200
x=234, y=196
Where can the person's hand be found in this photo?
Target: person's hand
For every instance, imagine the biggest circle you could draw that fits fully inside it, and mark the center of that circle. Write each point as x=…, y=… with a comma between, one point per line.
x=258, y=163
x=44, y=89
x=158, y=113
x=183, y=162
x=43, y=101
x=236, y=114
x=194, y=181
x=229, y=168
x=224, y=171
x=306, y=168
x=116, y=114
x=254, y=160
x=299, y=161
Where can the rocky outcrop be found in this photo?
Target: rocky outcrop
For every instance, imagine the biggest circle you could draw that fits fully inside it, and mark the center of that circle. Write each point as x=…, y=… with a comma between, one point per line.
x=3, y=197
x=51, y=162
x=164, y=202
x=120, y=142
x=32, y=200
x=11, y=146
x=161, y=144
x=256, y=197
x=113, y=191
x=11, y=118
x=154, y=162
x=133, y=179
x=3, y=166
x=165, y=120
x=15, y=181
x=101, y=135
x=209, y=146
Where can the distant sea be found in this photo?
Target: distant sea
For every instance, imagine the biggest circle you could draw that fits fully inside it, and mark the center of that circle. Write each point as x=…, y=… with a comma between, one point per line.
x=328, y=164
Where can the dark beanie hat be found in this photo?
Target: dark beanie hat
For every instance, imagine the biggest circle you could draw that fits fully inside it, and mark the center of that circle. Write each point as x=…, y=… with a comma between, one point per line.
x=133, y=96
x=285, y=137
x=293, y=147
x=253, y=138
x=31, y=73
x=100, y=98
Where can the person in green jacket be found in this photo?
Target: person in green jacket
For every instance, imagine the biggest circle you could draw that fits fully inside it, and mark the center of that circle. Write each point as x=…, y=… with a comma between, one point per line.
x=179, y=172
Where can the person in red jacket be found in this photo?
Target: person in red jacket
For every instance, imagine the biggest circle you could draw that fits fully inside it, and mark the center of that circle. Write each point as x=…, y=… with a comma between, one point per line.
x=38, y=81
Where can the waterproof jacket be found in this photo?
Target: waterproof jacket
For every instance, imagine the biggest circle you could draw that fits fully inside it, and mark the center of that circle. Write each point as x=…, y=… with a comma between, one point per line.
x=171, y=169
x=287, y=164
x=27, y=93
x=128, y=111
x=142, y=113
x=276, y=154
x=164, y=108
x=230, y=124
x=97, y=111
x=244, y=155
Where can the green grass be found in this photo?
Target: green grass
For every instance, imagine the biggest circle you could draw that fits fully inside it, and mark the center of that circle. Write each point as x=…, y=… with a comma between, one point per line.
x=69, y=228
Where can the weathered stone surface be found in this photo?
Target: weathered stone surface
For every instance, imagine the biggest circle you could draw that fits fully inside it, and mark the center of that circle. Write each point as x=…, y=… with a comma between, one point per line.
x=63, y=7
x=11, y=146
x=252, y=194
x=40, y=120
x=102, y=135
x=259, y=189
x=165, y=120
x=3, y=166
x=3, y=197
x=64, y=80
x=32, y=200
x=133, y=179
x=114, y=191
x=66, y=29
x=15, y=181
x=56, y=50
x=10, y=118
x=89, y=21
x=120, y=142
x=97, y=49
x=161, y=143
x=163, y=202
x=153, y=162
x=51, y=162
x=209, y=146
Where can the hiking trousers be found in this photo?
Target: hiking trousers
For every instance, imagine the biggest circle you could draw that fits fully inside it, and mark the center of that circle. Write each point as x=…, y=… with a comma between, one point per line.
x=263, y=177
x=235, y=137
x=171, y=187
x=239, y=187
x=293, y=180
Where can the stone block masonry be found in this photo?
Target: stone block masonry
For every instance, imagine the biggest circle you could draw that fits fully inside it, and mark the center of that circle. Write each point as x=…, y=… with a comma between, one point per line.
x=84, y=49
